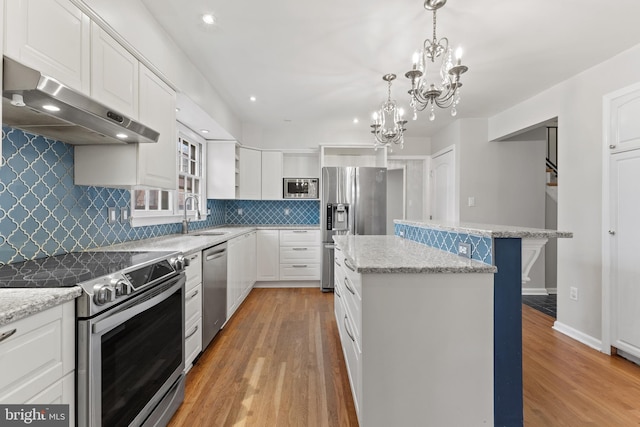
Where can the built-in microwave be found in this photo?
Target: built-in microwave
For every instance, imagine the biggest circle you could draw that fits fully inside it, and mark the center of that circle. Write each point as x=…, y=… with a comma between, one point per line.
x=300, y=188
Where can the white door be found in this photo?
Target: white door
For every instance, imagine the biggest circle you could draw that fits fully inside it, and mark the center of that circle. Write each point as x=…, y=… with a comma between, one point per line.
x=395, y=197
x=443, y=173
x=625, y=247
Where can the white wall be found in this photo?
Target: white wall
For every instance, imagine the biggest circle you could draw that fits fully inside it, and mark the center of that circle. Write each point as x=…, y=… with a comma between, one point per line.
x=139, y=28
x=577, y=103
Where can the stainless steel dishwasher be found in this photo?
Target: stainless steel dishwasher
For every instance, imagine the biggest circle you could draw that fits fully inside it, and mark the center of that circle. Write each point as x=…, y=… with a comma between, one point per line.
x=214, y=291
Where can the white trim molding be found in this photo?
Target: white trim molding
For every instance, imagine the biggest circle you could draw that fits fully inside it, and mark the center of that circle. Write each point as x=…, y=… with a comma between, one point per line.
x=585, y=339
x=534, y=291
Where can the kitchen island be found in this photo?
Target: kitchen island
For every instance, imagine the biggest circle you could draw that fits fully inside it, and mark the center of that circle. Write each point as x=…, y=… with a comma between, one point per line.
x=501, y=246
x=416, y=327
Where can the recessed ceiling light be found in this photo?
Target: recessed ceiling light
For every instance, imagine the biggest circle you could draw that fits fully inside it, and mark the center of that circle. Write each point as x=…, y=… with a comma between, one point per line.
x=204, y=130
x=355, y=120
x=252, y=98
x=208, y=19
x=121, y=135
x=50, y=107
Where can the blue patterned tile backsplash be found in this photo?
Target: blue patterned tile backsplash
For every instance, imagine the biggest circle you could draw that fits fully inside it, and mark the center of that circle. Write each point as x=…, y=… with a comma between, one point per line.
x=481, y=247
x=270, y=212
x=43, y=213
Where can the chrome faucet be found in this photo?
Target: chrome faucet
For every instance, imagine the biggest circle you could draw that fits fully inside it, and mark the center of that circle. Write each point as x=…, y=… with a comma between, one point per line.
x=185, y=222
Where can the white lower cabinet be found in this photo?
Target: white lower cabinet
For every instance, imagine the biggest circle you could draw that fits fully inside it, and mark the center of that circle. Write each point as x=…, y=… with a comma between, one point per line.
x=417, y=347
x=268, y=255
x=241, y=270
x=193, y=310
x=300, y=255
x=37, y=362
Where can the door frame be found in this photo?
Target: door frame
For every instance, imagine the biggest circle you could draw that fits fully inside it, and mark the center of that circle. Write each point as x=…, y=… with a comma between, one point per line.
x=456, y=201
x=607, y=302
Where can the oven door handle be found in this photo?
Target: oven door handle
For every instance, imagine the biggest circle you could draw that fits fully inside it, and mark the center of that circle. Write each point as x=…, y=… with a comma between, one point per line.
x=137, y=307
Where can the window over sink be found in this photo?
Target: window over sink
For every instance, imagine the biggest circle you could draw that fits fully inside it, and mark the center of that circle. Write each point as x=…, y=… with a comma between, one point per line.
x=151, y=206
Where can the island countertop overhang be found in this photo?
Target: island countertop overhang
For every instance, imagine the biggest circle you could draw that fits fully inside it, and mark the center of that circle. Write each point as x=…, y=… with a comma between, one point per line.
x=392, y=254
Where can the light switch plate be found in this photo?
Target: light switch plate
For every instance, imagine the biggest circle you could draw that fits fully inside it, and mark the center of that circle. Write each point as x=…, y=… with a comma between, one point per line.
x=464, y=250
x=111, y=217
x=124, y=214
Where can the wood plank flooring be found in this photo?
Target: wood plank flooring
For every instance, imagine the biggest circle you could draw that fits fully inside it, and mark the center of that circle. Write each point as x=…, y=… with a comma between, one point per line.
x=567, y=383
x=278, y=362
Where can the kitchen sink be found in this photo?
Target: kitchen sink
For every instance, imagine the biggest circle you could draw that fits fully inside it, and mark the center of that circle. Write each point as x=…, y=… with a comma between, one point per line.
x=209, y=233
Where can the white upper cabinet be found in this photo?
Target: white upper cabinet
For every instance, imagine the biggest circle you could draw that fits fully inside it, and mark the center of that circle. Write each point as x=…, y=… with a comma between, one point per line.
x=149, y=164
x=157, y=162
x=271, y=175
x=250, y=174
x=52, y=37
x=114, y=73
x=223, y=170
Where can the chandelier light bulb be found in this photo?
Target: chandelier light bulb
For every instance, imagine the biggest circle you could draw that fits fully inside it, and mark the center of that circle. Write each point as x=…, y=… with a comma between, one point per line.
x=401, y=112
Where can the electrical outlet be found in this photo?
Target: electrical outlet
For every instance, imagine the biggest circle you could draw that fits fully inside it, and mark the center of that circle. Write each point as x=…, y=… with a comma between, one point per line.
x=464, y=249
x=401, y=233
x=573, y=293
x=240, y=211
x=287, y=211
x=124, y=214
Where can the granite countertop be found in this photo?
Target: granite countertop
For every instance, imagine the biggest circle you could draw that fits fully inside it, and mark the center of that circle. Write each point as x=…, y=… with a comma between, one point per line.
x=391, y=254
x=22, y=302
x=192, y=242
x=491, y=230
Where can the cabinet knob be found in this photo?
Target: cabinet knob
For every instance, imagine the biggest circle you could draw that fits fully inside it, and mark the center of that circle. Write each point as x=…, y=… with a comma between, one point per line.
x=612, y=146
x=613, y=233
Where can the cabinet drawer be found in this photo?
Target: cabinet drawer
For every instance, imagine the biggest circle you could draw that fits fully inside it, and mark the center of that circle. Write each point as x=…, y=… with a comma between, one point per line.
x=351, y=301
x=34, y=357
x=192, y=305
x=300, y=238
x=192, y=343
x=299, y=271
x=193, y=270
x=299, y=254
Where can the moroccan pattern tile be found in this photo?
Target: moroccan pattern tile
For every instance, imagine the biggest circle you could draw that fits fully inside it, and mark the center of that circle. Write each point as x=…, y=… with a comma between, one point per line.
x=269, y=212
x=43, y=213
x=481, y=247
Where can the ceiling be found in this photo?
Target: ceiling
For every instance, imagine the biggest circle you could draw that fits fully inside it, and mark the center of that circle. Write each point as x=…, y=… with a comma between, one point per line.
x=320, y=64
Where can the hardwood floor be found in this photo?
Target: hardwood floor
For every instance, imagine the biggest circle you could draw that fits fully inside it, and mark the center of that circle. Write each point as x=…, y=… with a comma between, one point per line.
x=567, y=383
x=278, y=362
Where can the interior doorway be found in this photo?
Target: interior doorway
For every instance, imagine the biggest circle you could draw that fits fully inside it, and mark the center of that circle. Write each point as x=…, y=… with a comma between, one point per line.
x=443, y=188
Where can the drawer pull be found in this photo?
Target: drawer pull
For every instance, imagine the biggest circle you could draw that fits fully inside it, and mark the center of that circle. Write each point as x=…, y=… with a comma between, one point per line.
x=300, y=266
x=349, y=266
x=194, y=256
x=346, y=283
x=346, y=328
x=300, y=249
x=5, y=335
x=194, y=294
x=192, y=333
x=338, y=249
x=299, y=231
x=337, y=262
x=335, y=291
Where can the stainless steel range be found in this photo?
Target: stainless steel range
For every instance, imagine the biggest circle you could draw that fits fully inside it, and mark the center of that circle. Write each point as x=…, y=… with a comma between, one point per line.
x=130, y=331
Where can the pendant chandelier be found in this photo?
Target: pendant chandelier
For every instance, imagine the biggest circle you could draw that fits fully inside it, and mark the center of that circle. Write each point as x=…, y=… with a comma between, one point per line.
x=388, y=123
x=445, y=92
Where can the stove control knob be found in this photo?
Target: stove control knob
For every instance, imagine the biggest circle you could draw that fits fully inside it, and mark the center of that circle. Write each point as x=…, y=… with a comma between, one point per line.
x=179, y=263
x=102, y=294
x=120, y=287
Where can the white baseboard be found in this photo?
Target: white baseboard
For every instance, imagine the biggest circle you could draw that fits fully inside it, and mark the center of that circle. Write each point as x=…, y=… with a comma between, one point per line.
x=552, y=291
x=534, y=291
x=289, y=284
x=585, y=339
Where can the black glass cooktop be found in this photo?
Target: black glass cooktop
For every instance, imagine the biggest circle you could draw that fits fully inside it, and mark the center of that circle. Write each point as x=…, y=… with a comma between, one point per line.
x=72, y=268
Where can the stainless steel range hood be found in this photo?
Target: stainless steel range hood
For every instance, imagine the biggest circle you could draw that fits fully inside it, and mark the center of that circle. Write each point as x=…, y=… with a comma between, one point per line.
x=41, y=105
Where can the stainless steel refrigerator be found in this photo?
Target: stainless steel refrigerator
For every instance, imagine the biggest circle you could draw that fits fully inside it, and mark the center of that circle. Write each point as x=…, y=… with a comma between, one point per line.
x=354, y=201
